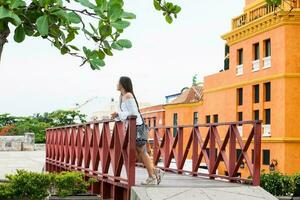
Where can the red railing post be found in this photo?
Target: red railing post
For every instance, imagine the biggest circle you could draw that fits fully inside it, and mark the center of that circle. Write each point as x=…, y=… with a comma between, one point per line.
x=212, y=151
x=257, y=153
x=132, y=150
x=232, y=151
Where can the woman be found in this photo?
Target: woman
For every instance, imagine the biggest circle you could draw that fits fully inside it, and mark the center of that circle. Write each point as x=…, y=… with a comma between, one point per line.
x=129, y=106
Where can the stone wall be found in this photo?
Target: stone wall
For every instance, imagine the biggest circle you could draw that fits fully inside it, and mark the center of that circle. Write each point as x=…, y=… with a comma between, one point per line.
x=17, y=143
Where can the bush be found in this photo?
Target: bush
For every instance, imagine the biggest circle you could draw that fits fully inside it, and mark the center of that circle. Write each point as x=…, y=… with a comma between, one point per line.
x=6, y=191
x=26, y=185
x=71, y=183
x=297, y=185
x=277, y=184
x=29, y=185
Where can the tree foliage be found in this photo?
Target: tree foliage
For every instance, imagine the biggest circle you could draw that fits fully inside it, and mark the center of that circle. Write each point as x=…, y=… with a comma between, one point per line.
x=61, y=22
x=38, y=123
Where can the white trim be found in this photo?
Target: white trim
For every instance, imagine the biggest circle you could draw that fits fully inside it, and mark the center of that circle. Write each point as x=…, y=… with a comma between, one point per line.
x=239, y=70
x=267, y=62
x=255, y=65
x=266, y=130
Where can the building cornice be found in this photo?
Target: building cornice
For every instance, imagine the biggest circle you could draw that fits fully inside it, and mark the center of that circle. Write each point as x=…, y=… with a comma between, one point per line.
x=253, y=81
x=180, y=105
x=263, y=24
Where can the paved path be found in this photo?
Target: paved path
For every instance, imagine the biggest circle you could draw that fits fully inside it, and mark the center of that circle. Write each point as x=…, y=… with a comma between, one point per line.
x=173, y=187
x=28, y=160
x=180, y=187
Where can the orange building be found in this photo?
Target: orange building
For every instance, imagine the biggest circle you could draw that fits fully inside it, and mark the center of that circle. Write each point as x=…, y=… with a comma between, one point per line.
x=260, y=81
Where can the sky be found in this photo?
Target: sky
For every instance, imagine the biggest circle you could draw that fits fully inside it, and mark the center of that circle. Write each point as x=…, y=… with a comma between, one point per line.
x=36, y=78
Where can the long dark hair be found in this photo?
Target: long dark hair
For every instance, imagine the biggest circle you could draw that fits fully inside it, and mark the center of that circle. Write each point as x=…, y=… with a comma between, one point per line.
x=126, y=83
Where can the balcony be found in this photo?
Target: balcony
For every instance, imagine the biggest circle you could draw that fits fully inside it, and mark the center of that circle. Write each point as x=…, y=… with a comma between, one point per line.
x=267, y=62
x=255, y=65
x=239, y=70
x=266, y=130
x=261, y=11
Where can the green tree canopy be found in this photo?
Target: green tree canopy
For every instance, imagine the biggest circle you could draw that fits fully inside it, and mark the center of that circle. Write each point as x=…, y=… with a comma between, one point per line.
x=61, y=21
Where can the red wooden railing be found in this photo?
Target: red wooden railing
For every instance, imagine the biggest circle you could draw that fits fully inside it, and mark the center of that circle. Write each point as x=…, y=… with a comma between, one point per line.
x=98, y=150
x=193, y=141
x=104, y=149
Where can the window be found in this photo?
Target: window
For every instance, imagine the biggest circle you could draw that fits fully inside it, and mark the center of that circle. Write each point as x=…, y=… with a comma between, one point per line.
x=256, y=51
x=267, y=44
x=238, y=154
x=154, y=121
x=240, y=56
x=267, y=91
x=240, y=96
x=216, y=118
x=175, y=123
x=256, y=93
x=240, y=116
x=256, y=115
x=266, y=157
x=195, y=118
x=207, y=119
x=267, y=116
x=226, y=60
x=149, y=122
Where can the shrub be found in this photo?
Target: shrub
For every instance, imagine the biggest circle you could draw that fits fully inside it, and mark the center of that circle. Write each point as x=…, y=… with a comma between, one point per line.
x=26, y=185
x=277, y=184
x=297, y=185
x=29, y=185
x=71, y=183
x=6, y=191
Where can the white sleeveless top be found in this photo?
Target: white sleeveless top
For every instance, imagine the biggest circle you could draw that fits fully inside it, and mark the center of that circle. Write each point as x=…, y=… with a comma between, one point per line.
x=128, y=108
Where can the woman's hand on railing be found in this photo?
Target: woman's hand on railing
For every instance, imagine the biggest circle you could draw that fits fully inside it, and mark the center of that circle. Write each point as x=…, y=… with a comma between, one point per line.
x=114, y=115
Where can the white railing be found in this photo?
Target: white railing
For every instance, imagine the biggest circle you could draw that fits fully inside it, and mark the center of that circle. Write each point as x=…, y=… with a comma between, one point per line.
x=267, y=62
x=266, y=130
x=240, y=129
x=255, y=65
x=239, y=70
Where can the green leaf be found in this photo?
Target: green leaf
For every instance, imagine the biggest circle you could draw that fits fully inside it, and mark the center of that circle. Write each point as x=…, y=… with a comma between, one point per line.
x=74, y=18
x=94, y=29
x=19, y=34
x=70, y=37
x=101, y=54
x=120, y=24
x=4, y=13
x=115, y=12
x=116, y=46
x=64, y=50
x=105, y=30
x=86, y=3
x=28, y=30
x=169, y=19
x=108, y=52
x=17, y=3
x=156, y=5
x=128, y=15
x=42, y=25
x=176, y=9
x=74, y=47
x=124, y=43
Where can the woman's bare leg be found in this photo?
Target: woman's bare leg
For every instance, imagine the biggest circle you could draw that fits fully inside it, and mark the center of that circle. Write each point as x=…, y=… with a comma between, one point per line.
x=145, y=158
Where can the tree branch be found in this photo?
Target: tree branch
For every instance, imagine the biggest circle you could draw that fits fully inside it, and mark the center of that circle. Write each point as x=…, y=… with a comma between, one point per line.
x=3, y=39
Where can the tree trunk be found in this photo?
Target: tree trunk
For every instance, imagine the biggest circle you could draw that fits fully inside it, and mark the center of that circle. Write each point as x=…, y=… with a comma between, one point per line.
x=3, y=39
